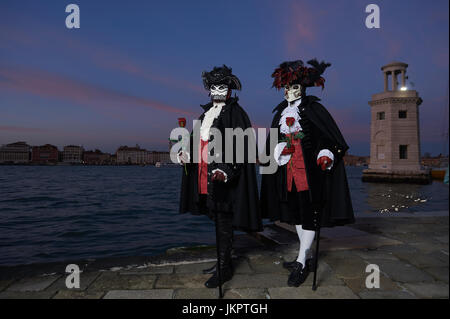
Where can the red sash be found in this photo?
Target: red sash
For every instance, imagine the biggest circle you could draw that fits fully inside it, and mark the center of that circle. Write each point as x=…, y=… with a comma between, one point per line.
x=203, y=168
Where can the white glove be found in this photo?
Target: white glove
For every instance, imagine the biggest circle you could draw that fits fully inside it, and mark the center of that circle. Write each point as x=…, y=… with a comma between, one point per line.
x=183, y=157
x=281, y=159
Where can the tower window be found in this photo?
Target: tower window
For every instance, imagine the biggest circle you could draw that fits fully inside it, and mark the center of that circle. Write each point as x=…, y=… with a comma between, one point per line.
x=402, y=114
x=403, y=150
x=381, y=116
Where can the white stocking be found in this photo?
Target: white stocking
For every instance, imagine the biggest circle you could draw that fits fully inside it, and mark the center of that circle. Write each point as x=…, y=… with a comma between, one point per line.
x=306, y=239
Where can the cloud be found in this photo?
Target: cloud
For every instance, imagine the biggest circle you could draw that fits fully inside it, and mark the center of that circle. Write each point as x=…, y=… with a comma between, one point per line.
x=102, y=57
x=302, y=28
x=48, y=85
x=22, y=129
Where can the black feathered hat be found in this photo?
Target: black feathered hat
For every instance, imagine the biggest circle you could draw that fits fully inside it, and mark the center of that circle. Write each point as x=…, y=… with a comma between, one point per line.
x=221, y=75
x=295, y=72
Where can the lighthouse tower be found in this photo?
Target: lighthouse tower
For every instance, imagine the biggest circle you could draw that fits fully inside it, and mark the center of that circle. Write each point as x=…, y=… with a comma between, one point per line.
x=394, y=131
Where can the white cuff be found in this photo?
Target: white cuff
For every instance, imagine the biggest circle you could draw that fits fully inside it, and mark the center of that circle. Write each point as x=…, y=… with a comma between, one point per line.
x=219, y=170
x=183, y=157
x=281, y=159
x=327, y=153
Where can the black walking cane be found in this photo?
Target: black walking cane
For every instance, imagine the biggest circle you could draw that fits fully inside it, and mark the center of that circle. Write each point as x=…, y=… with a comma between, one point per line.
x=218, y=268
x=316, y=259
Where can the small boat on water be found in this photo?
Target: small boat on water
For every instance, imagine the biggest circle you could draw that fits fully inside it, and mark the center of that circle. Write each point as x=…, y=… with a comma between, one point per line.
x=438, y=174
x=158, y=164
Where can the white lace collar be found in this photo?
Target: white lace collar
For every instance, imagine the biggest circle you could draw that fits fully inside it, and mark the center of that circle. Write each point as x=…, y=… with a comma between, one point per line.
x=290, y=111
x=209, y=118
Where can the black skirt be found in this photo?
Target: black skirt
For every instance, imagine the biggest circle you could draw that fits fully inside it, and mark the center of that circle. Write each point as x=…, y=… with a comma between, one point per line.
x=297, y=210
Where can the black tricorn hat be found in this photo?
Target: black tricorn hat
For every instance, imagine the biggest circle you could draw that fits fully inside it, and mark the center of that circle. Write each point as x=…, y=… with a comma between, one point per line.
x=221, y=75
x=295, y=72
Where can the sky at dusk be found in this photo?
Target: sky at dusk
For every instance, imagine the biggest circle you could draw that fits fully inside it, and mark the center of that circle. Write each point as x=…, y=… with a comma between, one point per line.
x=134, y=67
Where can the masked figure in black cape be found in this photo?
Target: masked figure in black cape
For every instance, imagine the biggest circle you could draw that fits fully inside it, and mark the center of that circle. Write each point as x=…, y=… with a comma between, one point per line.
x=227, y=190
x=309, y=189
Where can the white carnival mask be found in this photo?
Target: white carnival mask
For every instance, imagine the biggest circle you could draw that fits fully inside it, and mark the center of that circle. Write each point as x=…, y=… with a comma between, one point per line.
x=219, y=92
x=292, y=92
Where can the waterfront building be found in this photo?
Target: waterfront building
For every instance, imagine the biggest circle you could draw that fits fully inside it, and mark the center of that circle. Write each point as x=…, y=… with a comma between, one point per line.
x=15, y=153
x=394, y=131
x=131, y=155
x=73, y=154
x=161, y=157
x=44, y=154
x=96, y=158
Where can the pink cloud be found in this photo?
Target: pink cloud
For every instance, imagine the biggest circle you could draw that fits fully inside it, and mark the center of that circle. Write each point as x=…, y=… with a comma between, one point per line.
x=103, y=57
x=21, y=129
x=45, y=84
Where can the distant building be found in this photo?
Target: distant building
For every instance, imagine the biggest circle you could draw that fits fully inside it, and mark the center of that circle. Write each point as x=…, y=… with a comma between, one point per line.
x=96, y=158
x=18, y=152
x=44, y=154
x=439, y=161
x=73, y=154
x=354, y=160
x=131, y=155
x=394, y=136
x=161, y=157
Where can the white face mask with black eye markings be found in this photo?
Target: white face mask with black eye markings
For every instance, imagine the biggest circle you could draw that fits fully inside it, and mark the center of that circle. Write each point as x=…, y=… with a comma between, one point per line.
x=219, y=92
x=292, y=92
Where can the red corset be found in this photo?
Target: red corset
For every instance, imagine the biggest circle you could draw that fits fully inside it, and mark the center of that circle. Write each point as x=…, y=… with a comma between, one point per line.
x=296, y=168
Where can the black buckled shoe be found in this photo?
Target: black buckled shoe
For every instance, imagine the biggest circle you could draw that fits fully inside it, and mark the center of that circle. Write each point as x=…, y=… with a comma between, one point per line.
x=298, y=274
x=289, y=265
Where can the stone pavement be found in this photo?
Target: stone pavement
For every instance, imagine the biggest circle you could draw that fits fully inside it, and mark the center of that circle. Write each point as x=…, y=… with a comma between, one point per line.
x=411, y=253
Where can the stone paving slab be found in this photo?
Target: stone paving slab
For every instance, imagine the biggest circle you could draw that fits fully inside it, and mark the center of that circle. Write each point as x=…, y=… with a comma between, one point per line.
x=357, y=242
x=358, y=285
x=26, y=295
x=192, y=268
x=86, y=279
x=439, y=273
x=401, y=271
x=422, y=260
x=32, y=284
x=257, y=281
x=379, y=294
x=5, y=284
x=114, y=281
x=428, y=290
x=267, y=264
x=140, y=294
x=194, y=280
x=153, y=270
x=242, y=266
x=246, y=293
x=196, y=293
x=304, y=292
x=69, y=294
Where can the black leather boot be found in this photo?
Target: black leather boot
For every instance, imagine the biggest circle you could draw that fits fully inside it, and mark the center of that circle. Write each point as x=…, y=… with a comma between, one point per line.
x=210, y=270
x=225, y=237
x=299, y=274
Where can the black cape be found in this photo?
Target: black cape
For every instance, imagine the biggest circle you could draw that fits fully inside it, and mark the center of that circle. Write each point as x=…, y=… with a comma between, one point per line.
x=239, y=195
x=328, y=190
